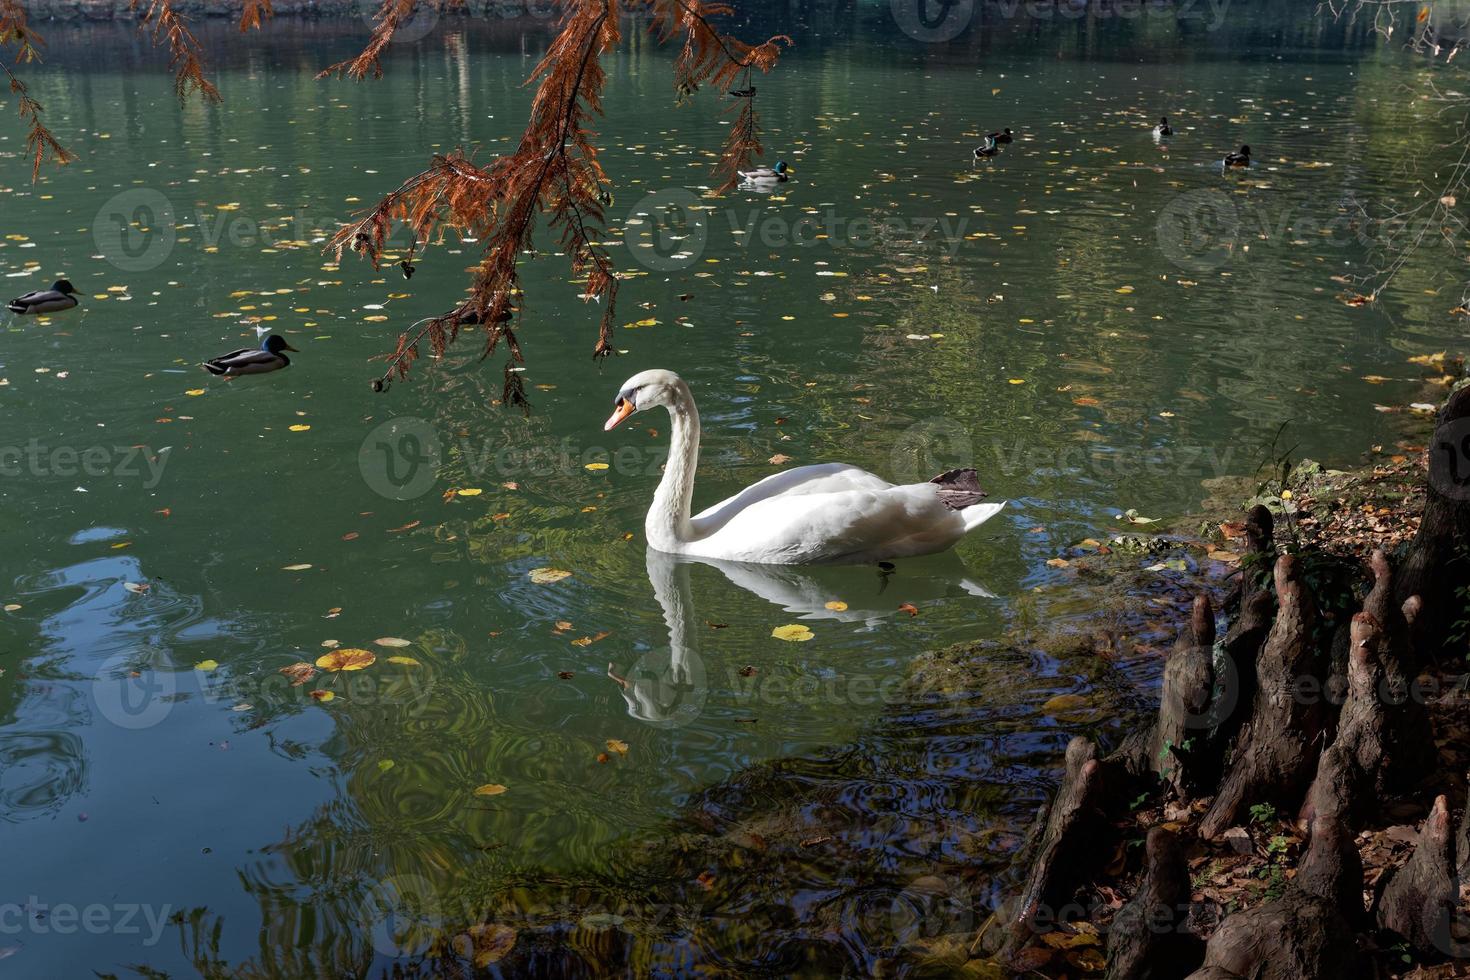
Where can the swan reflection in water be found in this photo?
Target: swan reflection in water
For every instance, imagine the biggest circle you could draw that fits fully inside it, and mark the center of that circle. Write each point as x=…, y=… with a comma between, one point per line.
x=668, y=686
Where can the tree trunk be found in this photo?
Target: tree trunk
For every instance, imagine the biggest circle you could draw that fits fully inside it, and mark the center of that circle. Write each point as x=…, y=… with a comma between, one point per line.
x=1296, y=937
x=1419, y=900
x=1277, y=751
x=1148, y=940
x=1073, y=847
x=1437, y=565
x=1180, y=749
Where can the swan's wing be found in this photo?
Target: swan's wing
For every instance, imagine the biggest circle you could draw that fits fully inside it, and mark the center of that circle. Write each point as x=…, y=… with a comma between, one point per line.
x=821, y=478
x=843, y=525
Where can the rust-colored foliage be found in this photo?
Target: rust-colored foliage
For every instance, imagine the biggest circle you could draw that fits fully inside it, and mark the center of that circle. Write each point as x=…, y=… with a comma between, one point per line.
x=553, y=172
x=16, y=32
x=167, y=26
x=253, y=13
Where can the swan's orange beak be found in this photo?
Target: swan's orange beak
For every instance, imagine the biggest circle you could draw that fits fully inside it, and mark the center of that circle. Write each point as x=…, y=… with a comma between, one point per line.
x=622, y=410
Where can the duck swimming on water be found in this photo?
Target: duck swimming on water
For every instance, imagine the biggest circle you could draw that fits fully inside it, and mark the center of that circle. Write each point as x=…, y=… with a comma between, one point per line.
x=252, y=360
x=987, y=149
x=767, y=175
x=61, y=296
x=1241, y=159
x=1163, y=129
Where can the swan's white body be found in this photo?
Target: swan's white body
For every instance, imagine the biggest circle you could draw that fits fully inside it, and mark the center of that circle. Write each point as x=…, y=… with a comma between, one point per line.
x=831, y=512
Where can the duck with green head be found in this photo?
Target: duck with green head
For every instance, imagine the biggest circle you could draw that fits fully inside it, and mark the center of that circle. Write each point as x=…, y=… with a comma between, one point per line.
x=61, y=296
x=767, y=175
x=252, y=360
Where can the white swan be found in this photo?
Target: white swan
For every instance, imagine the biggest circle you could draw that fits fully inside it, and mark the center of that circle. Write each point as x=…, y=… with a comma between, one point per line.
x=831, y=512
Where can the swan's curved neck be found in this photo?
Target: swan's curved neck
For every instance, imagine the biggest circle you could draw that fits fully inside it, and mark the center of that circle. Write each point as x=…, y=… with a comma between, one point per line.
x=667, y=524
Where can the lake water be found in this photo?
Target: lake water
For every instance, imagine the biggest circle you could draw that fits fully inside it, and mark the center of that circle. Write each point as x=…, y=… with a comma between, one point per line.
x=1097, y=321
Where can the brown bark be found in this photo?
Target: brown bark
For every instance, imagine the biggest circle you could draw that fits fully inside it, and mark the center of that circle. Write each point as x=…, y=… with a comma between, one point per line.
x=1073, y=847
x=1383, y=740
x=1237, y=683
x=1437, y=564
x=1419, y=900
x=1296, y=937
x=1148, y=939
x=1276, y=753
x=1332, y=869
x=1180, y=747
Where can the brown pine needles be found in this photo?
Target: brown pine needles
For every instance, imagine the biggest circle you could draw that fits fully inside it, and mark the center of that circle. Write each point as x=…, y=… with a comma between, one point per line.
x=554, y=173
x=15, y=31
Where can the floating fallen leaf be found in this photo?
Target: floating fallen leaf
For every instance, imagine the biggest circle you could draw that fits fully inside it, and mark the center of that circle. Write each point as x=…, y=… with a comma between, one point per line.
x=206, y=665
x=296, y=568
x=469, y=492
x=706, y=880
x=489, y=789
x=393, y=641
x=485, y=943
x=795, y=633
x=595, y=466
x=546, y=576
x=618, y=746
x=405, y=661
x=778, y=459
x=347, y=658
x=909, y=608
x=385, y=764
x=299, y=672
x=299, y=428
x=837, y=605
x=137, y=588
x=322, y=695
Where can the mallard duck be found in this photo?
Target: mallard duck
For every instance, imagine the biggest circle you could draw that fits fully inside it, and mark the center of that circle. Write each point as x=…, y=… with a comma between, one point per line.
x=831, y=512
x=767, y=175
x=987, y=149
x=252, y=360
x=1241, y=159
x=1001, y=136
x=1163, y=129
x=61, y=296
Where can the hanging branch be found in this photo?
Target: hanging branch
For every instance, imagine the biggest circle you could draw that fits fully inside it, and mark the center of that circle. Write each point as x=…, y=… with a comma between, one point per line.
x=15, y=31
x=166, y=25
x=554, y=170
x=392, y=15
x=254, y=12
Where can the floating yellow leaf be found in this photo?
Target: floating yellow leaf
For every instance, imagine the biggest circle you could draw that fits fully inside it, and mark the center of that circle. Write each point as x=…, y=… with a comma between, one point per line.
x=837, y=605
x=347, y=658
x=300, y=428
x=393, y=641
x=618, y=746
x=470, y=492
x=489, y=789
x=794, y=633
x=546, y=576
x=406, y=661
x=1017, y=381
x=206, y=665
x=296, y=568
x=596, y=466
x=194, y=392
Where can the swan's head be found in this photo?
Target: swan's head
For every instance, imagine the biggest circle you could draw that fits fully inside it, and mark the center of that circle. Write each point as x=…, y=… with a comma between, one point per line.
x=645, y=390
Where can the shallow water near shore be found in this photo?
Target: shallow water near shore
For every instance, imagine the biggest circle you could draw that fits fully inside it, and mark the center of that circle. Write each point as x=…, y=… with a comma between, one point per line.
x=1097, y=321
